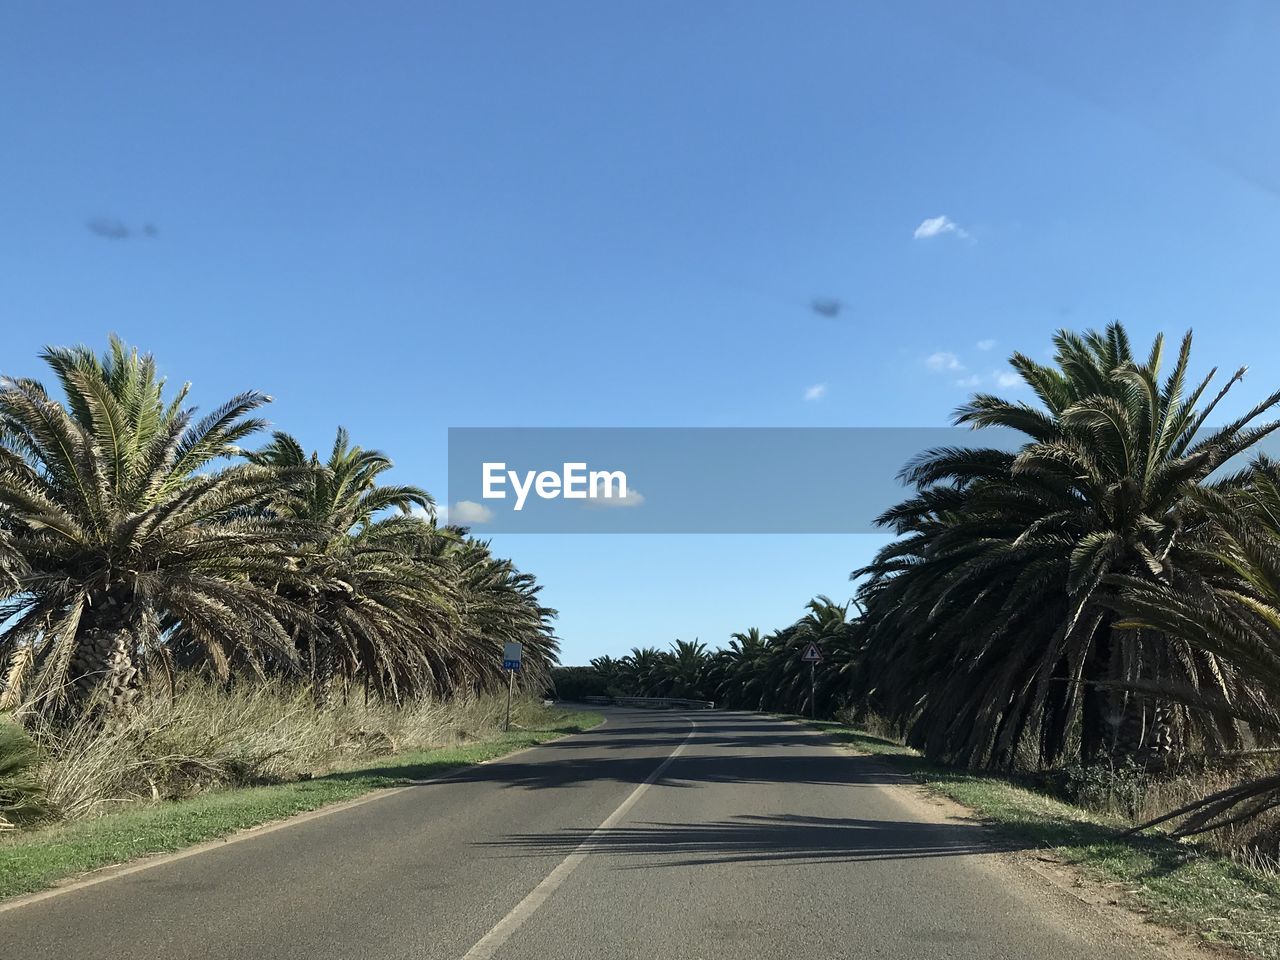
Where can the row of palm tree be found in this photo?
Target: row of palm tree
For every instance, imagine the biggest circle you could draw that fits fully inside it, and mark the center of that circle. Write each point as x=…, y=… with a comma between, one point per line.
x=138, y=539
x=1106, y=586
x=752, y=672
x=1102, y=590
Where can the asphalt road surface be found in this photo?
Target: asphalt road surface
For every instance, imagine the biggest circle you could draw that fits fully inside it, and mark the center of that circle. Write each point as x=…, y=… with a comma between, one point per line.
x=659, y=835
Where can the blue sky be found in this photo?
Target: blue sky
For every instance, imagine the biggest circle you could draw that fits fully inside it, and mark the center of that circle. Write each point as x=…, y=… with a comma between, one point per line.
x=403, y=217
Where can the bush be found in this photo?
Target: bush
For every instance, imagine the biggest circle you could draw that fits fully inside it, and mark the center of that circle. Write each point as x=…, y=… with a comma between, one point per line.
x=1119, y=788
x=21, y=797
x=575, y=683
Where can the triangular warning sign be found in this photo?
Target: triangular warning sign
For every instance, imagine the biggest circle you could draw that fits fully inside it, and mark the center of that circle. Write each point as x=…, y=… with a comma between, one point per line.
x=812, y=654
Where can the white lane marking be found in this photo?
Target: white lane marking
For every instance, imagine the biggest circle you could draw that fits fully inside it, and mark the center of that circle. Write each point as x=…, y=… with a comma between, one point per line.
x=488, y=945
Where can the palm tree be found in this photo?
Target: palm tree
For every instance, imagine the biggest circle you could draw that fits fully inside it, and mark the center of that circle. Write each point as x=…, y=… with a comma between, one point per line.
x=685, y=670
x=607, y=669
x=1225, y=601
x=827, y=624
x=989, y=623
x=11, y=562
x=130, y=532
x=641, y=671
x=496, y=603
x=377, y=601
x=742, y=670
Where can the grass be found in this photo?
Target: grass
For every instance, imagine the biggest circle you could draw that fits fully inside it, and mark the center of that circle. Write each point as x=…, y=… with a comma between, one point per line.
x=205, y=737
x=33, y=859
x=1173, y=883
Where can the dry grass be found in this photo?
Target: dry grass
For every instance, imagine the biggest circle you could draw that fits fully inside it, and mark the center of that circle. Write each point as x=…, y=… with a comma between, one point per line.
x=1131, y=794
x=1254, y=842
x=206, y=737
x=41, y=854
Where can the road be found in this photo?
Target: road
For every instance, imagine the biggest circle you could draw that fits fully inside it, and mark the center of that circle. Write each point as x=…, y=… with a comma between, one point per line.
x=656, y=836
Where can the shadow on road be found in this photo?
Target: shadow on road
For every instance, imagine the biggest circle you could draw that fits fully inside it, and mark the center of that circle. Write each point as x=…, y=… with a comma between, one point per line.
x=738, y=749
x=723, y=750
x=760, y=839
x=691, y=769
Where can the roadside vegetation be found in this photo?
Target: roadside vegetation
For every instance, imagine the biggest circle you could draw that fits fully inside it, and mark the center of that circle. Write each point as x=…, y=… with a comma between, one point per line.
x=1178, y=884
x=190, y=605
x=1094, y=613
x=261, y=774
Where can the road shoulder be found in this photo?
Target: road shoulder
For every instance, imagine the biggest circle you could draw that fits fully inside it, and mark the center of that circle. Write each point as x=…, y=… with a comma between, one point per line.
x=1073, y=864
x=43, y=863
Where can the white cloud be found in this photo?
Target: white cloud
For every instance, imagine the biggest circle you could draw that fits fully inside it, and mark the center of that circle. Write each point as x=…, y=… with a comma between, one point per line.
x=986, y=344
x=633, y=499
x=466, y=512
x=996, y=378
x=816, y=392
x=936, y=226
x=942, y=360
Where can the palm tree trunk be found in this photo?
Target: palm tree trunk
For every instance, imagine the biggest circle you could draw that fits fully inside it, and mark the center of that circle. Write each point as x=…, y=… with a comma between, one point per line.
x=323, y=673
x=1096, y=730
x=103, y=664
x=1146, y=725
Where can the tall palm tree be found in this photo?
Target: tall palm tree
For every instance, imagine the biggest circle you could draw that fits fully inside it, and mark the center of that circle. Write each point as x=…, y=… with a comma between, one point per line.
x=130, y=531
x=374, y=593
x=1224, y=600
x=989, y=629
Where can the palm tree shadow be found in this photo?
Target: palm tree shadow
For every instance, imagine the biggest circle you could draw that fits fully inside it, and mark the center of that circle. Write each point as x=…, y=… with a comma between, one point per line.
x=628, y=754
x=752, y=839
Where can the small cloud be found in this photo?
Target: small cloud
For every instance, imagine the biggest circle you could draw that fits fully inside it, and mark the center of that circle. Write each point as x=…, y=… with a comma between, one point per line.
x=816, y=392
x=466, y=512
x=942, y=360
x=986, y=344
x=937, y=226
x=826, y=306
x=108, y=227
x=633, y=499
x=973, y=380
x=1005, y=379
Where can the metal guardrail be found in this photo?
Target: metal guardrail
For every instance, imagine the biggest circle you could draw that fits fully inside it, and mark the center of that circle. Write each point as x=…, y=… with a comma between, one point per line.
x=658, y=703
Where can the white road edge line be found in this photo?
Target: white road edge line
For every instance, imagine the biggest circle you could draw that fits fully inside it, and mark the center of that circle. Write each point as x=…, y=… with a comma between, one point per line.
x=489, y=944
x=115, y=871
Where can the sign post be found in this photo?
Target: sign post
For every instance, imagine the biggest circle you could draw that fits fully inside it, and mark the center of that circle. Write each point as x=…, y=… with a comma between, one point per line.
x=512, y=657
x=813, y=656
